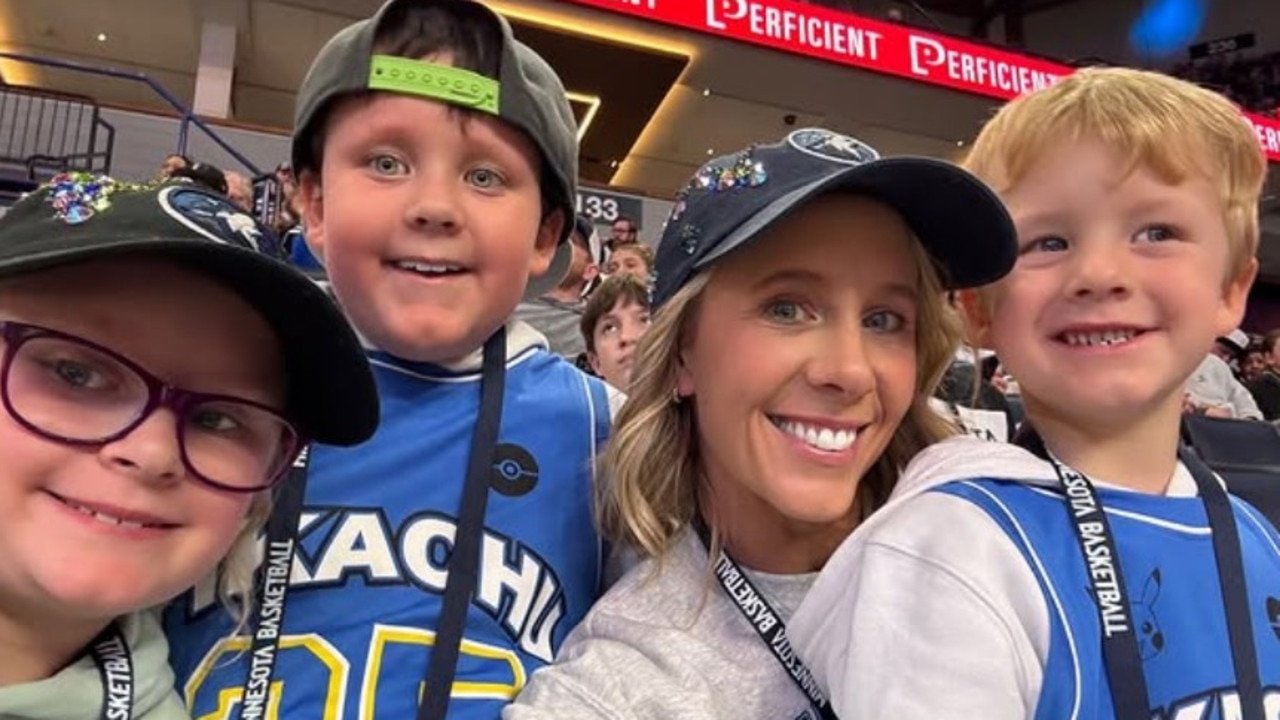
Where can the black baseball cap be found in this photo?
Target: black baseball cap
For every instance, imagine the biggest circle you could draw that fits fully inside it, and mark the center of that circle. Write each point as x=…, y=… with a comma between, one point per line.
x=961, y=223
x=527, y=94
x=79, y=217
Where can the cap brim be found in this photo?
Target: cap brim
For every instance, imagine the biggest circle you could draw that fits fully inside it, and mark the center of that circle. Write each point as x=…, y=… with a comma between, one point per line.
x=332, y=393
x=960, y=222
x=1234, y=343
x=547, y=281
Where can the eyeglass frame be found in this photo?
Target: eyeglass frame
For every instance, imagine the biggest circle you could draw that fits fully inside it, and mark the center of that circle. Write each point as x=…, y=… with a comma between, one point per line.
x=159, y=395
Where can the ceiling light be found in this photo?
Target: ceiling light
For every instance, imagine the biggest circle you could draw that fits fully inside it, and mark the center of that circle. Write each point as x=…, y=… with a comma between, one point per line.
x=706, y=92
x=711, y=151
x=102, y=37
x=592, y=102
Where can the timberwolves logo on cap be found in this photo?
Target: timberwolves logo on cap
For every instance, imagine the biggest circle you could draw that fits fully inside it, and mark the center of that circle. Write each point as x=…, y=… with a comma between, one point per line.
x=832, y=146
x=211, y=216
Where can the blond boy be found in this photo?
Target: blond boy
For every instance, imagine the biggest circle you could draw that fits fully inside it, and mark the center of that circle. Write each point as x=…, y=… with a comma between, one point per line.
x=1096, y=571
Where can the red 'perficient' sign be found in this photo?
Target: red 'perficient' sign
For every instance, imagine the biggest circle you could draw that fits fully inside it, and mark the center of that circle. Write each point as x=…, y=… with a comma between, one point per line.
x=882, y=47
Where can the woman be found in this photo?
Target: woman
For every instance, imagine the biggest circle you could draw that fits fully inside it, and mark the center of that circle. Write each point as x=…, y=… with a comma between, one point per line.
x=802, y=327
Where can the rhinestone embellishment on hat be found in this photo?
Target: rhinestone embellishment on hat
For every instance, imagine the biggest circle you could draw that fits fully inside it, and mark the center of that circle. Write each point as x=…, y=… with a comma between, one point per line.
x=740, y=172
x=744, y=172
x=78, y=196
x=689, y=235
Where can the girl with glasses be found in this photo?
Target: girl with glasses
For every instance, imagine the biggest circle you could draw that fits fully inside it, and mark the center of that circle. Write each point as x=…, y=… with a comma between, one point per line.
x=158, y=377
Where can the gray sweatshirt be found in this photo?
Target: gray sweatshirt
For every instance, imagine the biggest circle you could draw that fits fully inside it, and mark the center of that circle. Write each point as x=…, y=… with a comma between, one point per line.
x=665, y=642
x=557, y=321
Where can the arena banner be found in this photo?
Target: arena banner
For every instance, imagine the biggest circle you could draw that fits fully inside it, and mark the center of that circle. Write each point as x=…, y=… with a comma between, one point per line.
x=884, y=47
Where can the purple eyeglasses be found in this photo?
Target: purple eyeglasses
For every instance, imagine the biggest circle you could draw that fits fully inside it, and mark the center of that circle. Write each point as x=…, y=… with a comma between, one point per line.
x=70, y=390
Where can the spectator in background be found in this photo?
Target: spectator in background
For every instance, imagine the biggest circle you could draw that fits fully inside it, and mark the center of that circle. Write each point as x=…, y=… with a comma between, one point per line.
x=172, y=164
x=1231, y=347
x=1261, y=375
x=289, y=216
x=1213, y=390
x=623, y=233
x=1270, y=351
x=967, y=396
x=557, y=314
x=239, y=190
x=635, y=260
x=205, y=175
x=1252, y=364
x=1250, y=82
x=288, y=223
x=617, y=314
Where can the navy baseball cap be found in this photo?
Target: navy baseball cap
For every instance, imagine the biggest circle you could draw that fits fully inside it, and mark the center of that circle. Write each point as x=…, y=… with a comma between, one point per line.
x=961, y=223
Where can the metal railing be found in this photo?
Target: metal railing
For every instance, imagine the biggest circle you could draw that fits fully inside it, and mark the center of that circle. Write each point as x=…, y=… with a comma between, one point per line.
x=44, y=132
x=188, y=118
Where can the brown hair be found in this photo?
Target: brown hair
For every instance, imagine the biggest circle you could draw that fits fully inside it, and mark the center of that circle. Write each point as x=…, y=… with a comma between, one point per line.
x=644, y=252
x=621, y=288
x=1269, y=341
x=464, y=30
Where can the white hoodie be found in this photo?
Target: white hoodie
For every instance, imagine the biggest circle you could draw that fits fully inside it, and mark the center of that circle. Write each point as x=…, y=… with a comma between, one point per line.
x=928, y=610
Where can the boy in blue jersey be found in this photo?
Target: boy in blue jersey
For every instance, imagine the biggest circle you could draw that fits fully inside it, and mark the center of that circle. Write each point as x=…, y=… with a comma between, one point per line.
x=1096, y=571
x=444, y=560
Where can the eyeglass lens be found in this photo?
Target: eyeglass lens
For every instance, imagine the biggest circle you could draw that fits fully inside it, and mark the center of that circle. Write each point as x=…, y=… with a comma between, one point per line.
x=74, y=392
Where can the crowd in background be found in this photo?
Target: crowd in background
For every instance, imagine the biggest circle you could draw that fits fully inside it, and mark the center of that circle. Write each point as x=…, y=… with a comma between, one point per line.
x=1239, y=378
x=1253, y=83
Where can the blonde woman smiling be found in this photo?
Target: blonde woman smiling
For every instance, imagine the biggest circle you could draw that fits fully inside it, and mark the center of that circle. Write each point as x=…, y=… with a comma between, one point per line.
x=801, y=328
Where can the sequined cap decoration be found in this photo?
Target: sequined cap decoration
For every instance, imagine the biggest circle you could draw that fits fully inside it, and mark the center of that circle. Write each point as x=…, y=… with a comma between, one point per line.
x=743, y=172
x=678, y=210
x=689, y=235
x=740, y=171
x=77, y=196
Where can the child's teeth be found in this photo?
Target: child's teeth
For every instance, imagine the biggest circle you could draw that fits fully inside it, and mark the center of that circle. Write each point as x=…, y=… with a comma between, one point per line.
x=422, y=267
x=1108, y=338
x=106, y=519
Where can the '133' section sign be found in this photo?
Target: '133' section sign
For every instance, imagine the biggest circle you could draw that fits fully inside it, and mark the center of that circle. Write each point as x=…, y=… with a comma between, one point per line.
x=605, y=207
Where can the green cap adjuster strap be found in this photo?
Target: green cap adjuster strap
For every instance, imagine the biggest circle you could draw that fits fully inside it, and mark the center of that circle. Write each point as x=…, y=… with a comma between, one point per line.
x=439, y=82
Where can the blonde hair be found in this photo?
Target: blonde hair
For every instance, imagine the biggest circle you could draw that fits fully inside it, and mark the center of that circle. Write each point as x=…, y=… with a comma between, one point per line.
x=640, y=250
x=1168, y=125
x=236, y=573
x=653, y=464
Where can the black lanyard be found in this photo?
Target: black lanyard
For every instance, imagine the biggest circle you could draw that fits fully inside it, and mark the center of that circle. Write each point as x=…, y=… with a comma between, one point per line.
x=281, y=545
x=762, y=618
x=1120, y=647
x=115, y=667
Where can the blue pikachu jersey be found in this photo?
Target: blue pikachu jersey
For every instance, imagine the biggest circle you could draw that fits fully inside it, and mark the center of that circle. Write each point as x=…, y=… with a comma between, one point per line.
x=1170, y=572
x=368, y=579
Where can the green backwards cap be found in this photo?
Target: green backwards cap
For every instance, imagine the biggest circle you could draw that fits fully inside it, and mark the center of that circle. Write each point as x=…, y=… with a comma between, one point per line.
x=527, y=93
